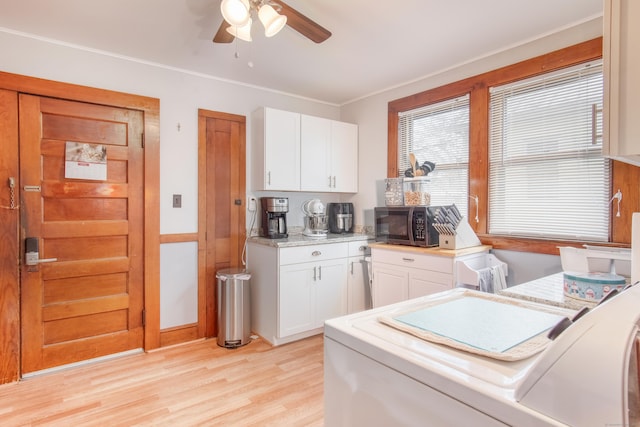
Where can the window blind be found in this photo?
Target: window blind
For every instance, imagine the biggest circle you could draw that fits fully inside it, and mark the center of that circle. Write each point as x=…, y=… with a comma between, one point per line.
x=547, y=175
x=439, y=133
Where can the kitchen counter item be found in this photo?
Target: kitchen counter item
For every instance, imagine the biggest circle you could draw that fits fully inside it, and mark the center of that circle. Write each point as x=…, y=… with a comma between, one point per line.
x=591, y=286
x=340, y=217
x=416, y=191
x=316, y=222
x=274, y=217
x=394, y=193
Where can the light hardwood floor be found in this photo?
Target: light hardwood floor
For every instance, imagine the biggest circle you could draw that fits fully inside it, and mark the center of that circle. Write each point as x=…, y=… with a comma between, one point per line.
x=195, y=384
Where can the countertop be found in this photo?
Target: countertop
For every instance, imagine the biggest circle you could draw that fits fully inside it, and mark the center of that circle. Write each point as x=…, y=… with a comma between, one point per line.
x=302, y=240
x=546, y=290
x=432, y=251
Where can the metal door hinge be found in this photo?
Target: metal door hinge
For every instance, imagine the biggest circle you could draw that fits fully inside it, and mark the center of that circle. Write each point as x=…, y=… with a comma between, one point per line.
x=142, y=140
x=144, y=317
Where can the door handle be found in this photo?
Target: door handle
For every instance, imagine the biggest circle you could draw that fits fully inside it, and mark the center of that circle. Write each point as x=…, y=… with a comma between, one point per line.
x=32, y=254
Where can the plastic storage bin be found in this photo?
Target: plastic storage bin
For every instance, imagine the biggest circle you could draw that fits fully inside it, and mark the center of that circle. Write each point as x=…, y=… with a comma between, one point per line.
x=416, y=191
x=393, y=192
x=234, y=307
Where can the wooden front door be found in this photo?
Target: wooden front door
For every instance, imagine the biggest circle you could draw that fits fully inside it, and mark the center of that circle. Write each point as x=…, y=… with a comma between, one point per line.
x=89, y=301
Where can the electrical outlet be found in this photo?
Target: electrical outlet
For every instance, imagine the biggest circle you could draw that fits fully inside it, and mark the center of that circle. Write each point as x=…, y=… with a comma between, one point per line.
x=177, y=200
x=252, y=204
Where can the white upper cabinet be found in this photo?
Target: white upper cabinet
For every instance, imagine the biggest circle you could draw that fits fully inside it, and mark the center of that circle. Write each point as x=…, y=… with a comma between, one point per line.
x=276, y=150
x=622, y=85
x=315, y=153
x=344, y=157
x=329, y=155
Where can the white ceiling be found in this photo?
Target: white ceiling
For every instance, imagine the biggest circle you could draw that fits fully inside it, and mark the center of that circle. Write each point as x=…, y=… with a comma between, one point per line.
x=374, y=45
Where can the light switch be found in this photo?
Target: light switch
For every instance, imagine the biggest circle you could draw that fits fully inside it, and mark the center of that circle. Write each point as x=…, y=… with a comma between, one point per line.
x=177, y=200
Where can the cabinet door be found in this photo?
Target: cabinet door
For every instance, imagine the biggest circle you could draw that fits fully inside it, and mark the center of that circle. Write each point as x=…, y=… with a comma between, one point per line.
x=423, y=283
x=357, y=285
x=344, y=157
x=295, y=299
x=281, y=150
x=330, y=291
x=390, y=284
x=315, y=153
x=622, y=86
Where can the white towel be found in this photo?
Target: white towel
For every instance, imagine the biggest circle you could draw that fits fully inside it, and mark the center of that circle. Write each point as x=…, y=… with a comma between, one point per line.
x=498, y=278
x=485, y=280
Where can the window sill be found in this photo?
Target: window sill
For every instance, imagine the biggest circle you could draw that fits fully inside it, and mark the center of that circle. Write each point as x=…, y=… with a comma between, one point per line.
x=539, y=246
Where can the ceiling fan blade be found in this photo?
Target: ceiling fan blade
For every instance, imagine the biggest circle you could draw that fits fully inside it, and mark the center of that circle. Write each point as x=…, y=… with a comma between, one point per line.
x=302, y=24
x=223, y=36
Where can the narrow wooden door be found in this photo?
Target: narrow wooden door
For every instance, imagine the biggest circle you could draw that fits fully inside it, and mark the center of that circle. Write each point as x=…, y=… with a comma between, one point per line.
x=225, y=194
x=88, y=302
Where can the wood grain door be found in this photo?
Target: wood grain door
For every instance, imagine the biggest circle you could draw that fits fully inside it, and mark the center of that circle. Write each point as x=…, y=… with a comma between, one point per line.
x=89, y=302
x=225, y=194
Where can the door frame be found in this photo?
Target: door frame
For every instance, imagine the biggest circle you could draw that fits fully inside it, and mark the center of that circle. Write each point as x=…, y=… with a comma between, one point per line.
x=11, y=251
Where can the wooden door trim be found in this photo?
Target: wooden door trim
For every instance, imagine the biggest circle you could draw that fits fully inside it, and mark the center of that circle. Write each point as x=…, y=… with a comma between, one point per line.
x=9, y=253
x=151, y=110
x=206, y=297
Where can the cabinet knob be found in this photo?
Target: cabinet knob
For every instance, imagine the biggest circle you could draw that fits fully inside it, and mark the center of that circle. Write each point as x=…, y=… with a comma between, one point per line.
x=362, y=248
x=316, y=253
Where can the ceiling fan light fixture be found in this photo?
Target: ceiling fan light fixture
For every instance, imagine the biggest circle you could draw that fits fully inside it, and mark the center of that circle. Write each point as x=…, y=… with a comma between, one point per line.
x=243, y=33
x=273, y=22
x=236, y=12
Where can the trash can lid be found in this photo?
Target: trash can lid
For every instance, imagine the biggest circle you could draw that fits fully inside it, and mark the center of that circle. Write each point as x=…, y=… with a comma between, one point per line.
x=233, y=273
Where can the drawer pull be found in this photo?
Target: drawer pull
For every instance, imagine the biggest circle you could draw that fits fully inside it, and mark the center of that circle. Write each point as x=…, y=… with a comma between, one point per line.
x=408, y=259
x=316, y=253
x=362, y=248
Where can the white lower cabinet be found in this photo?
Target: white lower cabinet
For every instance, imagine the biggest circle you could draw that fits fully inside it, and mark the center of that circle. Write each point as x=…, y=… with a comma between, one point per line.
x=295, y=289
x=311, y=293
x=403, y=273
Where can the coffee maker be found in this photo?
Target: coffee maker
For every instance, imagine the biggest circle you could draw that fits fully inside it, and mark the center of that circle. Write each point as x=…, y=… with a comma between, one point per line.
x=340, y=218
x=274, y=217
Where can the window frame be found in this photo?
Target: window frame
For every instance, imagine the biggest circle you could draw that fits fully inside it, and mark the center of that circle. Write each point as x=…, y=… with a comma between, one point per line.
x=623, y=176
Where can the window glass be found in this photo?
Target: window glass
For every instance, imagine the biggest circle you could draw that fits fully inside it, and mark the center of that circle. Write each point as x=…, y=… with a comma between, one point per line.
x=439, y=133
x=547, y=175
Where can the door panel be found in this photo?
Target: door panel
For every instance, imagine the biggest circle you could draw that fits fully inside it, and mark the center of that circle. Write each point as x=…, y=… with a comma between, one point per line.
x=88, y=303
x=225, y=196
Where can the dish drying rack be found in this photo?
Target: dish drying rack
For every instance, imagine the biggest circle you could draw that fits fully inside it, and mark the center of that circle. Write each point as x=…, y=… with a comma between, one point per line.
x=468, y=271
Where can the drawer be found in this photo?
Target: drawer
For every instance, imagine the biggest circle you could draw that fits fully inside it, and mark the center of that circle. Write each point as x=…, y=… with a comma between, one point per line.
x=310, y=253
x=358, y=247
x=404, y=258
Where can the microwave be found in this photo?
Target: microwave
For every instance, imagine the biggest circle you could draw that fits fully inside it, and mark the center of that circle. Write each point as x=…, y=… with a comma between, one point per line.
x=406, y=225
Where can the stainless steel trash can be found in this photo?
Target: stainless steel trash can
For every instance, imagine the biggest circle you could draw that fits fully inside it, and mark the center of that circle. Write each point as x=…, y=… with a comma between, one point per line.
x=234, y=308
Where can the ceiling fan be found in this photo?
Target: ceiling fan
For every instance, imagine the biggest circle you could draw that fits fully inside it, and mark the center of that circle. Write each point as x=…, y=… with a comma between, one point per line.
x=294, y=19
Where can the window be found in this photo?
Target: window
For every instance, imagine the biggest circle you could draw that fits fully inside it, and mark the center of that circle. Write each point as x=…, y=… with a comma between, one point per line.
x=547, y=175
x=511, y=223
x=439, y=133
